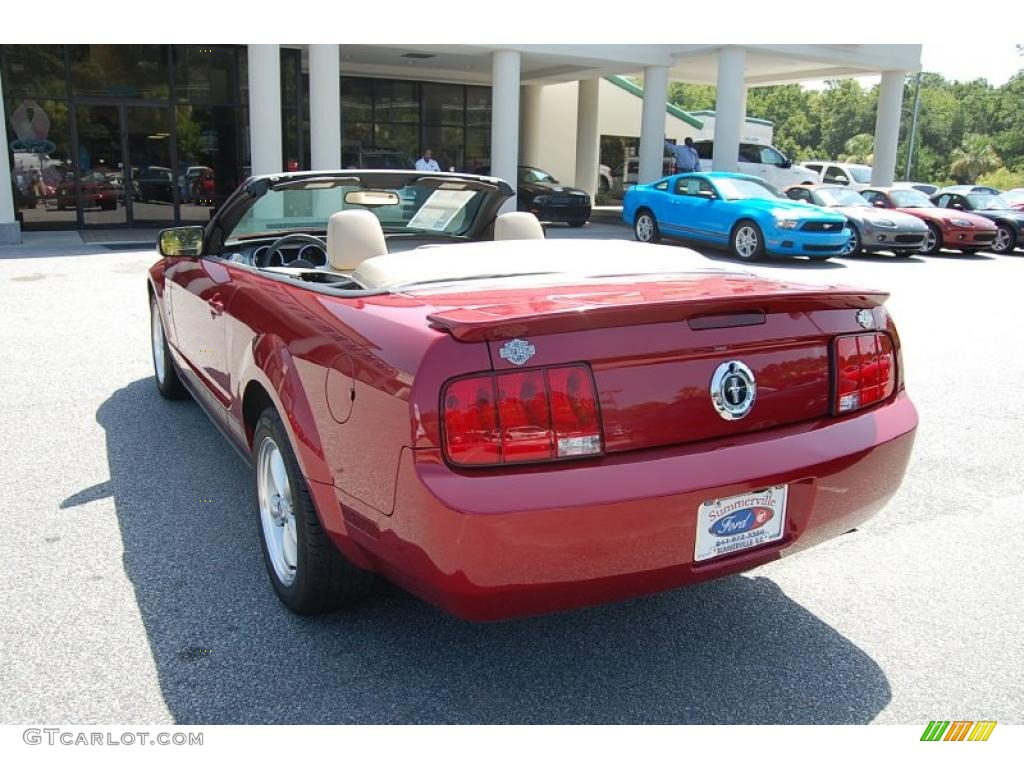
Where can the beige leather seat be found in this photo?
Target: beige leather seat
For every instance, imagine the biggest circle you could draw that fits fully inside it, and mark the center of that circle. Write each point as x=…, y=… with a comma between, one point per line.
x=518, y=225
x=353, y=236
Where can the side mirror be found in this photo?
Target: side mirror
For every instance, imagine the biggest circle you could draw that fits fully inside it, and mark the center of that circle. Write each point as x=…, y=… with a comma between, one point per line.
x=180, y=241
x=786, y=163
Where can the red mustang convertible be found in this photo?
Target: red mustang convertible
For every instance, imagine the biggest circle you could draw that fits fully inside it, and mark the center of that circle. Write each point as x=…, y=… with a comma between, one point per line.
x=433, y=393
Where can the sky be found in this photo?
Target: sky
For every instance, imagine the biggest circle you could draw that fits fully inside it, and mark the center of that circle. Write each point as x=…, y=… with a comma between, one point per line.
x=997, y=62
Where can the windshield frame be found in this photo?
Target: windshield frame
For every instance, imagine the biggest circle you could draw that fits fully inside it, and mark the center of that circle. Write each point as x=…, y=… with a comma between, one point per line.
x=223, y=223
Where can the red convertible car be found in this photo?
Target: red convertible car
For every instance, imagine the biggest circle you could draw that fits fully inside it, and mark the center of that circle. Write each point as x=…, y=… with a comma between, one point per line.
x=433, y=393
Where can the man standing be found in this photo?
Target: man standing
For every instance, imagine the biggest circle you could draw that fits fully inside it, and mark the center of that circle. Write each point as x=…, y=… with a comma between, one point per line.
x=687, y=159
x=427, y=163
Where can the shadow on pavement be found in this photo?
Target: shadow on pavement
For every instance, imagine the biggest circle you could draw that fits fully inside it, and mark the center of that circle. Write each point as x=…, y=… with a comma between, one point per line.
x=733, y=651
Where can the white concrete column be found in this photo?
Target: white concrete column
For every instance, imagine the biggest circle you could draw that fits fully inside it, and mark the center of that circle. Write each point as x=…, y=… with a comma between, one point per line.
x=887, y=127
x=324, y=107
x=652, y=124
x=588, y=137
x=10, y=230
x=265, y=109
x=743, y=113
x=505, y=119
x=530, y=127
x=730, y=103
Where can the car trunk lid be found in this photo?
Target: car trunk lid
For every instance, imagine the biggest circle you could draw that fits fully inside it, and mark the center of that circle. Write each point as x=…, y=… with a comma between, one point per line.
x=655, y=346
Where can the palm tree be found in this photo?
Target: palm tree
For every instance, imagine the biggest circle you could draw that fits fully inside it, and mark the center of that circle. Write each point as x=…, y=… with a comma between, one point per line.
x=974, y=157
x=859, y=149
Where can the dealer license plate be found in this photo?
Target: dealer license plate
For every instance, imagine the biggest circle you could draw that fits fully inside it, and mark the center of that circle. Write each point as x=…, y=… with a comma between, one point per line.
x=740, y=522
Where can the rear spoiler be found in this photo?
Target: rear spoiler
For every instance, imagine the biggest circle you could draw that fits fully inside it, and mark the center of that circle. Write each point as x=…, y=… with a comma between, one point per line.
x=494, y=323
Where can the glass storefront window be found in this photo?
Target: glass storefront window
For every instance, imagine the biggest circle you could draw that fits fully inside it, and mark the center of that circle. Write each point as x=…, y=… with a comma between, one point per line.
x=356, y=101
x=478, y=148
x=208, y=153
x=39, y=143
x=400, y=138
x=205, y=74
x=446, y=145
x=443, y=104
x=33, y=70
x=396, y=101
x=478, y=107
x=120, y=71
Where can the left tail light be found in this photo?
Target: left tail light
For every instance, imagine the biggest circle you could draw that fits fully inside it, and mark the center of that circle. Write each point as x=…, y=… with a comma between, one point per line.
x=865, y=371
x=518, y=417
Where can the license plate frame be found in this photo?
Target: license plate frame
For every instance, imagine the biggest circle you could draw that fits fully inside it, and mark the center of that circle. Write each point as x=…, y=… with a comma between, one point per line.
x=737, y=523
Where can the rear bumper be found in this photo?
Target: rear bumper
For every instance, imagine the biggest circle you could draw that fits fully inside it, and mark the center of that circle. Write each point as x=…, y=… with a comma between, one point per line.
x=495, y=546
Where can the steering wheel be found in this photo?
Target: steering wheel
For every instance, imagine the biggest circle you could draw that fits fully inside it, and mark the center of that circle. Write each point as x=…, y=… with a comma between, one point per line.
x=295, y=237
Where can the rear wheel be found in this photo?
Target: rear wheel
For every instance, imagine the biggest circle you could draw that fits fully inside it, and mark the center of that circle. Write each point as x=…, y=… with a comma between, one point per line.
x=932, y=240
x=1006, y=239
x=307, y=571
x=747, y=242
x=645, y=227
x=167, y=381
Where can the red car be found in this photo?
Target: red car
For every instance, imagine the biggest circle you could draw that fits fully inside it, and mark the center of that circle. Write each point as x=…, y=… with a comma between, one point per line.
x=95, y=191
x=506, y=425
x=947, y=228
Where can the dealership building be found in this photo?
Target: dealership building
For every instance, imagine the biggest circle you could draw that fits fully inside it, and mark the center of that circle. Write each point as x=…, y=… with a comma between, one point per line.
x=155, y=135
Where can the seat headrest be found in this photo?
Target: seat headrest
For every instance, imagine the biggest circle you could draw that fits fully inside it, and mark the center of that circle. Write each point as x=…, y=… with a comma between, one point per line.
x=518, y=225
x=353, y=236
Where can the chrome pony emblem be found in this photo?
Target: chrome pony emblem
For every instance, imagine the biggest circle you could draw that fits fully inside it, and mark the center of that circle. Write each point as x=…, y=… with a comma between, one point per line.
x=733, y=390
x=517, y=351
x=865, y=319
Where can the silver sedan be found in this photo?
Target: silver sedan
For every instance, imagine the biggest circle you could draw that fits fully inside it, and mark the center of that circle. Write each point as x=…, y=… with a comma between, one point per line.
x=871, y=229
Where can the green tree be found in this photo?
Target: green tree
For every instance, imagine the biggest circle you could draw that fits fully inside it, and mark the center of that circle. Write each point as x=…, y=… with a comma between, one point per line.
x=974, y=157
x=859, y=149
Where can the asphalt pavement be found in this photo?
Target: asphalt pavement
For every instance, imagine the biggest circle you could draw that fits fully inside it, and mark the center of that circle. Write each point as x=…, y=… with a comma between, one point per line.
x=133, y=589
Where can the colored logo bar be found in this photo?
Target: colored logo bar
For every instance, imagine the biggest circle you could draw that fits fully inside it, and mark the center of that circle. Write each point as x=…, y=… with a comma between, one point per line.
x=958, y=730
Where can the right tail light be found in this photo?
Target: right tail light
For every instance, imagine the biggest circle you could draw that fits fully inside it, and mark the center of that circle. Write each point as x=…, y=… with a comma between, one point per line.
x=865, y=371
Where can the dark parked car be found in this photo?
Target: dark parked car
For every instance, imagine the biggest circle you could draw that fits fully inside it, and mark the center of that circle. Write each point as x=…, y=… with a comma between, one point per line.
x=982, y=201
x=541, y=194
x=154, y=183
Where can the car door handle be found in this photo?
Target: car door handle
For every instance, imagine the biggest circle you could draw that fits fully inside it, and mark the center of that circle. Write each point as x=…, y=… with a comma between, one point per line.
x=216, y=305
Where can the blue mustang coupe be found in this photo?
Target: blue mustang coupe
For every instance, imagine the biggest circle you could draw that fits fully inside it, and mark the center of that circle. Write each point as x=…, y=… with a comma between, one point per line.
x=735, y=210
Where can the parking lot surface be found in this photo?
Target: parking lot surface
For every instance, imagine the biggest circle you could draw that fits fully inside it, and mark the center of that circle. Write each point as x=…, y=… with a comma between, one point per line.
x=134, y=590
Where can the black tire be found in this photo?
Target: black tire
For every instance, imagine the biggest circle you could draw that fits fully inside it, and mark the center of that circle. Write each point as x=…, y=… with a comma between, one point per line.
x=1006, y=240
x=324, y=579
x=936, y=245
x=855, y=248
x=577, y=223
x=645, y=227
x=749, y=229
x=167, y=381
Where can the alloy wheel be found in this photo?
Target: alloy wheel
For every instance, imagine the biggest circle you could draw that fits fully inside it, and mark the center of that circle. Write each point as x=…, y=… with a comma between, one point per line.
x=157, y=333
x=644, y=228
x=746, y=242
x=277, y=511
